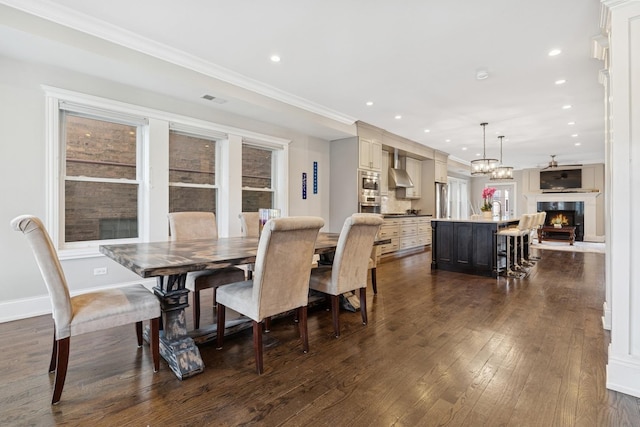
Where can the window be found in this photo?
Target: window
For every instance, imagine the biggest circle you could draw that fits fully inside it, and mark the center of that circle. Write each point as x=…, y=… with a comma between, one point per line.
x=257, y=178
x=101, y=179
x=192, y=173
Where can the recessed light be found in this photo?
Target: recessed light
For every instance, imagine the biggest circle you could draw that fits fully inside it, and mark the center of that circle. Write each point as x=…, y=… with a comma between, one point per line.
x=398, y=117
x=427, y=131
x=477, y=154
x=561, y=82
x=555, y=52
x=369, y=103
x=275, y=58
x=577, y=144
x=566, y=107
x=464, y=148
x=575, y=135
x=447, y=140
x=571, y=123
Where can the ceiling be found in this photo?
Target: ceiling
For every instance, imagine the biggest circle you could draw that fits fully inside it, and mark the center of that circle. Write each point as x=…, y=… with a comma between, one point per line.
x=419, y=61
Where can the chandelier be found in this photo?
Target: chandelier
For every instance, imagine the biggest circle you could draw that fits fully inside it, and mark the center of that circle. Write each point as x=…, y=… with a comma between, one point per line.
x=501, y=172
x=483, y=166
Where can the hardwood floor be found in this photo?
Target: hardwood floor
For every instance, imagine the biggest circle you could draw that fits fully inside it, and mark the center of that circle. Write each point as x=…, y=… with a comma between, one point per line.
x=440, y=349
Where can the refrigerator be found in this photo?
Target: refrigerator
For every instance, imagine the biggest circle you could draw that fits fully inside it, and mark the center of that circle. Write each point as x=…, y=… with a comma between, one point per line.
x=442, y=200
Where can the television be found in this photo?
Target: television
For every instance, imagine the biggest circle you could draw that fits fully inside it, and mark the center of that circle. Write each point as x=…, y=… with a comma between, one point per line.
x=560, y=179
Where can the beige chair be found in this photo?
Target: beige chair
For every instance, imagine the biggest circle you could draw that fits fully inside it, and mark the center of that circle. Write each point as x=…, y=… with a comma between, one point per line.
x=87, y=312
x=201, y=225
x=516, y=232
x=249, y=223
x=350, y=264
x=280, y=280
x=373, y=264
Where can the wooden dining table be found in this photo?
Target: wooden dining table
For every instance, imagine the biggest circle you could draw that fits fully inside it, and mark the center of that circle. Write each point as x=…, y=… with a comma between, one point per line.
x=170, y=261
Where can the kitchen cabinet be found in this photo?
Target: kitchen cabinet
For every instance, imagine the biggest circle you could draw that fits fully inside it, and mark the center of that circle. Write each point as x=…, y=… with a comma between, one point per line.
x=441, y=168
x=370, y=154
x=384, y=174
x=414, y=169
x=405, y=233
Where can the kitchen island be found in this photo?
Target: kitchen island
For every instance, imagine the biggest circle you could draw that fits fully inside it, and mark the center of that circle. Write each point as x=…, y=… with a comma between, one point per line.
x=468, y=246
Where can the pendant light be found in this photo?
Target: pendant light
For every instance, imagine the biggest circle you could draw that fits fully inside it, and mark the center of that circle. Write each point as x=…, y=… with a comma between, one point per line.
x=483, y=166
x=501, y=172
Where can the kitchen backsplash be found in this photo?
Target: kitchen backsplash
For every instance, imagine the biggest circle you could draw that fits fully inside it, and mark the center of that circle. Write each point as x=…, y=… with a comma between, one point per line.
x=389, y=203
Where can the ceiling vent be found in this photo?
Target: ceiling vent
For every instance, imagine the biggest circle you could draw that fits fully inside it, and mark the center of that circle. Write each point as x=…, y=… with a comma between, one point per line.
x=214, y=99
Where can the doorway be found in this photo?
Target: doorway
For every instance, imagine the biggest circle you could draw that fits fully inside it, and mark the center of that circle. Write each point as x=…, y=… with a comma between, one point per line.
x=506, y=195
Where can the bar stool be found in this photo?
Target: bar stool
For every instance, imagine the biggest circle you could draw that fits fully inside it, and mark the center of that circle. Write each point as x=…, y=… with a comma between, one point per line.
x=539, y=222
x=532, y=223
x=515, y=232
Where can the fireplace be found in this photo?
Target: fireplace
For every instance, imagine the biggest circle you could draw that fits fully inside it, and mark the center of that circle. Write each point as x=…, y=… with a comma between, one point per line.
x=570, y=214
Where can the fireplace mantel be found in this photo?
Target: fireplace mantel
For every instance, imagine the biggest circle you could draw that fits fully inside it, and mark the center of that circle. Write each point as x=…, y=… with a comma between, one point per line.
x=590, y=211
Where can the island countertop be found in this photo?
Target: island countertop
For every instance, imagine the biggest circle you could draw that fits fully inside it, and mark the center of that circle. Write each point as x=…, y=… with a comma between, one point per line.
x=480, y=220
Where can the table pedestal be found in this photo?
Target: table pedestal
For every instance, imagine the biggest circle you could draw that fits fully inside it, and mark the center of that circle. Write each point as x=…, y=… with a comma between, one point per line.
x=176, y=347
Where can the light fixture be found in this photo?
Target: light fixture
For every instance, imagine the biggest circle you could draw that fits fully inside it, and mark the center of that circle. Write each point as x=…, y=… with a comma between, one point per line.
x=501, y=172
x=483, y=166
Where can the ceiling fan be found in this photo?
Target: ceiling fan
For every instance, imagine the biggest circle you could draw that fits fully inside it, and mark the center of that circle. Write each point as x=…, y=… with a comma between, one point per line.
x=554, y=164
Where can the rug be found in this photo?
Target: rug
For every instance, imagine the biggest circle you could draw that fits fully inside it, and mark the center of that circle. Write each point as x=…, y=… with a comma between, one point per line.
x=565, y=246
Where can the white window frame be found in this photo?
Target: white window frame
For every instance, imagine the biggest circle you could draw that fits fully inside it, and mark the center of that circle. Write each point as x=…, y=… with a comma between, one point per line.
x=274, y=177
x=153, y=190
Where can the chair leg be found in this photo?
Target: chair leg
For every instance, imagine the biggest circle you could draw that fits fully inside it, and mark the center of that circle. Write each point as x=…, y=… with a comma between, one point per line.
x=154, y=336
x=196, y=309
x=363, y=304
x=61, y=369
x=267, y=324
x=220, y=331
x=335, y=312
x=54, y=354
x=139, y=333
x=215, y=289
x=304, y=334
x=257, y=345
x=374, y=283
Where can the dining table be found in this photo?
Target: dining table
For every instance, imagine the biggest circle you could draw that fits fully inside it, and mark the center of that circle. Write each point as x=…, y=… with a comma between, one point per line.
x=169, y=262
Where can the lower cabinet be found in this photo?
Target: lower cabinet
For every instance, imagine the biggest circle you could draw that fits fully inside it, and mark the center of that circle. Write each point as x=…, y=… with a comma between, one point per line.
x=405, y=233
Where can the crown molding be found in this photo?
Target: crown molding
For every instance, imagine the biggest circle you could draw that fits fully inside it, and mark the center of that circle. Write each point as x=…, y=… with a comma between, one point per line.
x=70, y=18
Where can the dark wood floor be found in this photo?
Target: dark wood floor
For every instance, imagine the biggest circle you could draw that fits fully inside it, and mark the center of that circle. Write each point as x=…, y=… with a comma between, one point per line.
x=440, y=349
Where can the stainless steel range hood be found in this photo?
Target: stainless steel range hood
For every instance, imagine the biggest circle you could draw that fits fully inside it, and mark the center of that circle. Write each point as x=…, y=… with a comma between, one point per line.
x=398, y=178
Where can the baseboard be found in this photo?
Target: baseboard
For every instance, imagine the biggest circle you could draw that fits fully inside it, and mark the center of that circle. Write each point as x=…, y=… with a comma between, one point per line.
x=24, y=308
x=623, y=375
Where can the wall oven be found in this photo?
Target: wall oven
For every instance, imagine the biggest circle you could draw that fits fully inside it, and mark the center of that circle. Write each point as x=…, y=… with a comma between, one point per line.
x=369, y=189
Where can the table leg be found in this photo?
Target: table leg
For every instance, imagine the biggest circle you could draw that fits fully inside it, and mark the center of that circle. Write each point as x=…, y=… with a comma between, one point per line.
x=176, y=347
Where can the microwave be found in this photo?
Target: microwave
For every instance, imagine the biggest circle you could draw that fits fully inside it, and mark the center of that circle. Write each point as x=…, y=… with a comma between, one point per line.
x=369, y=182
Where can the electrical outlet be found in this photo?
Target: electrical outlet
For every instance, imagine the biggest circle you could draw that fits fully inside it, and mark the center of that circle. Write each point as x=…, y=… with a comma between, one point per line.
x=99, y=271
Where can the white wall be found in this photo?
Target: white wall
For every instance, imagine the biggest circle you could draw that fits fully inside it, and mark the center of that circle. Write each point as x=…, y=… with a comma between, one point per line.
x=23, y=178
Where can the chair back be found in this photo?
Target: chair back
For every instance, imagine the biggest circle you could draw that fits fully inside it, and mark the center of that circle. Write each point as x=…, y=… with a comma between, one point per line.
x=249, y=223
x=283, y=264
x=542, y=216
x=351, y=261
x=192, y=225
x=51, y=271
x=524, y=222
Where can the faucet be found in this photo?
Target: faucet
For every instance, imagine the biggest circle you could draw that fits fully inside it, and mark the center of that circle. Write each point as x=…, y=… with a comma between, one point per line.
x=499, y=209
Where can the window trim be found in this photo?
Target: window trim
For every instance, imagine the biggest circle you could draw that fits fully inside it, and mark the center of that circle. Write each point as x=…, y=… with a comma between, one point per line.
x=54, y=152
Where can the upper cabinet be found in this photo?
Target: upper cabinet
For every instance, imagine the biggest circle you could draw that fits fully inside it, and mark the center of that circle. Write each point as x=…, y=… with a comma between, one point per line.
x=414, y=169
x=440, y=168
x=384, y=175
x=370, y=154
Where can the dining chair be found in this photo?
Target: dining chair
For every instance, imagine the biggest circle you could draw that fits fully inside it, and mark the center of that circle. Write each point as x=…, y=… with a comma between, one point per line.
x=88, y=312
x=280, y=279
x=249, y=223
x=373, y=265
x=201, y=225
x=350, y=264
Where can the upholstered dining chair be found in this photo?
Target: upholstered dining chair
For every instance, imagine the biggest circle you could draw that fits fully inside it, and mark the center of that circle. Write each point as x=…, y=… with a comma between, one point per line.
x=280, y=279
x=350, y=264
x=249, y=223
x=201, y=225
x=89, y=312
x=373, y=265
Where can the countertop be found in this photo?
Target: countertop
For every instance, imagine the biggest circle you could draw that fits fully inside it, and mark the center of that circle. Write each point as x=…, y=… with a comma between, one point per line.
x=480, y=220
x=404, y=215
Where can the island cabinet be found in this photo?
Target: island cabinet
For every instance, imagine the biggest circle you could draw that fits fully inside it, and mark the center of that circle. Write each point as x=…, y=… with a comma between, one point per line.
x=466, y=246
